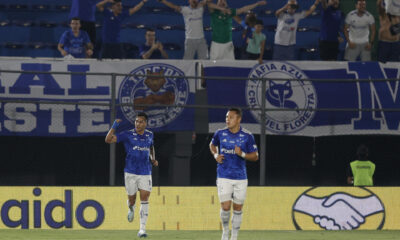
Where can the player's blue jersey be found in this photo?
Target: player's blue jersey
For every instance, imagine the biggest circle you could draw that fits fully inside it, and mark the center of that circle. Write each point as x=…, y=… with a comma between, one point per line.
x=137, y=149
x=233, y=166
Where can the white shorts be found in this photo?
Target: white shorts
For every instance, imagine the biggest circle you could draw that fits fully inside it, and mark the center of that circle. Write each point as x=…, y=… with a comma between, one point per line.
x=229, y=190
x=222, y=51
x=135, y=182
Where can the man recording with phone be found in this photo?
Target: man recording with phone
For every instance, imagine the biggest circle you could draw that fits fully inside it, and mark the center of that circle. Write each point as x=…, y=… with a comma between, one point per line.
x=285, y=36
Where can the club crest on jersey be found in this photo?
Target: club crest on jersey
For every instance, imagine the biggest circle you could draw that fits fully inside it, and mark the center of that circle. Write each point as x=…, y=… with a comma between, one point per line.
x=159, y=88
x=292, y=95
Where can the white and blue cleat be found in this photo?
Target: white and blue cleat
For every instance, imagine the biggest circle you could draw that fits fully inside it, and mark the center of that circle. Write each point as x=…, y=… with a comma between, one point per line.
x=225, y=235
x=131, y=214
x=142, y=234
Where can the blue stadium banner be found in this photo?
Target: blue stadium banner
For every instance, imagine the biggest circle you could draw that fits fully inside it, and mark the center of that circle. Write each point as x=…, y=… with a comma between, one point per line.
x=290, y=103
x=166, y=85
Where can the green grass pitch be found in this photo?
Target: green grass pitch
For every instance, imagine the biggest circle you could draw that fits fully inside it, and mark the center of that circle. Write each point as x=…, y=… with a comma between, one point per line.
x=16, y=234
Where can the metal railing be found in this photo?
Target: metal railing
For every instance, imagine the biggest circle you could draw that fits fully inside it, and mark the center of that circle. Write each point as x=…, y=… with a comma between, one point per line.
x=113, y=105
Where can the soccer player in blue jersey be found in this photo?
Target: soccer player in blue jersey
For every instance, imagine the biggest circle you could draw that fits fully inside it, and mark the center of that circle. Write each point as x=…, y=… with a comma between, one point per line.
x=139, y=147
x=231, y=147
x=75, y=42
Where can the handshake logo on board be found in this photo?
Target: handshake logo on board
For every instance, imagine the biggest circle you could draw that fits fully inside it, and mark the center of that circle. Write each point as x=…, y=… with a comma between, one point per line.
x=319, y=208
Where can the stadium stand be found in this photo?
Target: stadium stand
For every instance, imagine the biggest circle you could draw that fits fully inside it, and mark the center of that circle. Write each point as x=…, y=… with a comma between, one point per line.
x=33, y=28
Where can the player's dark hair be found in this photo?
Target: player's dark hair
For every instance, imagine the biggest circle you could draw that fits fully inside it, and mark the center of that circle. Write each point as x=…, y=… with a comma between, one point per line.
x=362, y=152
x=142, y=114
x=115, y=2
x=259, y=22
x=238, y=111
x=150, y=30
x=75, y=18
x=250, y=18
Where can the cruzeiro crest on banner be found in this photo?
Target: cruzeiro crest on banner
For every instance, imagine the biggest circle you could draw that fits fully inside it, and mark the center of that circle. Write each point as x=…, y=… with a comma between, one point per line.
x=292, y=95
x=160, y=88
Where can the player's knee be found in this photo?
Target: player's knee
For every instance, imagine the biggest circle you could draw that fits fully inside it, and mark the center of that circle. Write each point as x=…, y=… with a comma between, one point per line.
x=237, y=207
x=226, y=206
x=132, y=199
x=144, y=196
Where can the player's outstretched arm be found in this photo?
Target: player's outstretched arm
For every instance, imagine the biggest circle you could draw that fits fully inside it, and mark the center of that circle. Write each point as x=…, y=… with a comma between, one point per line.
x=250, y=7
x=282, y=9
x=325, y=4
x=204, y=2
x=137, y=7
x=101, y=4
x=212, y=6
x=312, y=8
x=171, y=5
x=111, y=138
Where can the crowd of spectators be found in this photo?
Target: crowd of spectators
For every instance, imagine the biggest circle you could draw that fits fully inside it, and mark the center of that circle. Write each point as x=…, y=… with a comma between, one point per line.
x=357, y=28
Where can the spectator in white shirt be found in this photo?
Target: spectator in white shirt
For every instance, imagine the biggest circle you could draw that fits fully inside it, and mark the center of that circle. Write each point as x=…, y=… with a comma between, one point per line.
x=194, y=32
x=359, y=30
x=285, y=36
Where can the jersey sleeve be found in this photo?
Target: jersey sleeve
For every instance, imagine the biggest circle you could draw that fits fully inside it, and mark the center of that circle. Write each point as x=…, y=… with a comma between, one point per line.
x=215, y=139
x=371, y=20
x=347, y=19
x=121, y=137
x=85, y=36
x=301, y=15
x=63, y=38
x=251, y=145
x=263, y=37
x=184, y=10
x=233, y=12
x=142, y=50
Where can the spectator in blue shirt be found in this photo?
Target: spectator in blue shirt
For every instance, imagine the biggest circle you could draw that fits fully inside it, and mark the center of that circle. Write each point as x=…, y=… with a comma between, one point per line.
x=85, y=10
x=75, y=42
x=113, y=17
x=152, y=49
x=331, y=25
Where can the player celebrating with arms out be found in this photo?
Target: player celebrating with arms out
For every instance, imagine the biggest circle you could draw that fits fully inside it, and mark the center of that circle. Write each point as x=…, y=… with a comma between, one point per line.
x=139, y=147
x=231, y=147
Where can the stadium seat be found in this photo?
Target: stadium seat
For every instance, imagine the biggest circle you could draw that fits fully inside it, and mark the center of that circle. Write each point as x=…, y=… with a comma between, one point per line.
x=172, y=46
x=131, y=51
x=63, y=7
x=18, y=7
x=132, y=35
x=41, y=7
x=310, y=53
x=23, y=23
x=4, y=23
x=14, y=49
x=175, y=54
